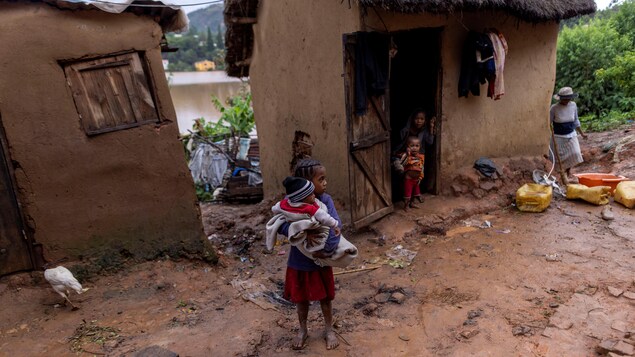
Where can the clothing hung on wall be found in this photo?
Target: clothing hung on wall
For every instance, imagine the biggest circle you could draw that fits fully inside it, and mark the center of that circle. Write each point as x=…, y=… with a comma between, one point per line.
x=483, y=60
x=371, y=68
x=496, y=88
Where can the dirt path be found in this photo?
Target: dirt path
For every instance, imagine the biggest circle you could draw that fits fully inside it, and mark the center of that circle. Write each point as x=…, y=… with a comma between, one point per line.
x=529, y=285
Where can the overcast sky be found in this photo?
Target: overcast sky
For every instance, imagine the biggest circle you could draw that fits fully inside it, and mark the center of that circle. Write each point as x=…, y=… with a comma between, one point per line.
x=600, y=3
x=191, y=8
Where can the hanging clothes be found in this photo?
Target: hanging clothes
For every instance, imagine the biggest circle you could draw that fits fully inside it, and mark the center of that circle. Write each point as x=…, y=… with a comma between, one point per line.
x=496, y=88
x=477, y=63
x=371, y=68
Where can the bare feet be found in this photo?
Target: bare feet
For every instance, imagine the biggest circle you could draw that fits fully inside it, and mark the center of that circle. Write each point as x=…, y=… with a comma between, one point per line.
x=331, y=340
x=413, y=205
x=299, y=342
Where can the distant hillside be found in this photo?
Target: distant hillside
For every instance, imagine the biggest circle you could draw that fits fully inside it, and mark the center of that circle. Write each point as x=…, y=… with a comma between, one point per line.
x=210, y=16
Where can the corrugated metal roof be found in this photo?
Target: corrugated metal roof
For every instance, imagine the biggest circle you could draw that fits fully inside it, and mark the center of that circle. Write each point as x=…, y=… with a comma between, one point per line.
x=171, y=17
x=118, y=6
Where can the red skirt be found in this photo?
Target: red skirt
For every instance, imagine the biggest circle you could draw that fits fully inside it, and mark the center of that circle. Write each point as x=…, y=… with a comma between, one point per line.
x=302, y=286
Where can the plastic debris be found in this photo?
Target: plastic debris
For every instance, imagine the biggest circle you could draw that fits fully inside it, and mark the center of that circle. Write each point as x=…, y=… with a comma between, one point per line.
x=399, y=257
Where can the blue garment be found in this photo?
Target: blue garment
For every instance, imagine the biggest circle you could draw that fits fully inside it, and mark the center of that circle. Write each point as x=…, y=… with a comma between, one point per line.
x=299, y=261
x=564, y=128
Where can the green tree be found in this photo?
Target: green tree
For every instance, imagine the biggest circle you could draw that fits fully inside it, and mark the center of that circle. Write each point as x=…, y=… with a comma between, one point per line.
x=583, y=51
x=209, y=42
x=623, y=74
x=624, y=20
x=220, y=40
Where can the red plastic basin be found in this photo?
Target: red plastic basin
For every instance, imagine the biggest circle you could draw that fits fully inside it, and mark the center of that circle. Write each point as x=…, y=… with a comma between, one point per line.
x=594, y=179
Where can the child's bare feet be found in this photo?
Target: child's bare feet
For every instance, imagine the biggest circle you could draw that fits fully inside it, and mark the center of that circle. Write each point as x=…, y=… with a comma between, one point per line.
x=413, y=205
x=299, y=342
x=331, y=340
x=420, y=199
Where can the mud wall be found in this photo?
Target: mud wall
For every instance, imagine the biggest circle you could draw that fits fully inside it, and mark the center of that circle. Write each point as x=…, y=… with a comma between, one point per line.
x=296, y=78
x=127, y=191
x=517, y=124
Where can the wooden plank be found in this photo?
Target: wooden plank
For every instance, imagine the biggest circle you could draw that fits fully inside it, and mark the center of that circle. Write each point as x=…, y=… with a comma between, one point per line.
x=241, y=20
x=371, y=178
x=381, y=114
x=368, y=142
x=146, y=99
x=372, y=217
x=97, y=100
x=129, y=83
x=120, y=127
x=121, y=94
x=102, y=64
x=349, y=100
x=81, y=101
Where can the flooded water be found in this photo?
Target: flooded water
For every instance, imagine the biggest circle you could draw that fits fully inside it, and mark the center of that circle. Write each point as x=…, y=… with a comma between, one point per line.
x=192, y=91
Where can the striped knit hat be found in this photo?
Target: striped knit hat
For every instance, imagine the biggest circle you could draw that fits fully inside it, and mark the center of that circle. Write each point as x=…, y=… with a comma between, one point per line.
x=298, y=188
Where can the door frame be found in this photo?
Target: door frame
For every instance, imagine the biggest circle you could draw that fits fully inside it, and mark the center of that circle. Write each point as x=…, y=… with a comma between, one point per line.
x=27, y=236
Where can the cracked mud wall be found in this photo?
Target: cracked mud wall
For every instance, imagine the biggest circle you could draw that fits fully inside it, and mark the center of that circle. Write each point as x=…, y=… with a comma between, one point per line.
x=127, y=191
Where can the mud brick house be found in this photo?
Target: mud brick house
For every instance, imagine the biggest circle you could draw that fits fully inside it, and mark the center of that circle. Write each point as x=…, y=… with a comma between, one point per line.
x=90, y=163
x=301, y=58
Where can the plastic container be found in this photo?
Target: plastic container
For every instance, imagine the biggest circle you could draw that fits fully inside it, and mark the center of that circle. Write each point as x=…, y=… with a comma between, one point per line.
x=243, y=148
x=625, y=193
x=598, y=195
x=594, y=179
x=533, y=197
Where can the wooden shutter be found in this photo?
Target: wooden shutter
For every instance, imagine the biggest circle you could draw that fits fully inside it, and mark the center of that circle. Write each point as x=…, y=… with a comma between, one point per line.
x=111, y=93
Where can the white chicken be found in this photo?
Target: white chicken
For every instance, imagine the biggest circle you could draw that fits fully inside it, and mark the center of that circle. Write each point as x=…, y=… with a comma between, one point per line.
x=62, y=281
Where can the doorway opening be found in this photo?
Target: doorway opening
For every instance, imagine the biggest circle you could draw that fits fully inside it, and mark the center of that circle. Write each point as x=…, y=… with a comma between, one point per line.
x=415, y=78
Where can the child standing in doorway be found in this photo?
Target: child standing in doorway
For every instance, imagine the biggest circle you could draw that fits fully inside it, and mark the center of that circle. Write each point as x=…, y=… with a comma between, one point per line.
x=412, y=162
x=306, y=281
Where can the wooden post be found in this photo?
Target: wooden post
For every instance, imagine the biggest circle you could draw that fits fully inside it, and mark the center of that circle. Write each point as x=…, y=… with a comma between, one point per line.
x=563, y=175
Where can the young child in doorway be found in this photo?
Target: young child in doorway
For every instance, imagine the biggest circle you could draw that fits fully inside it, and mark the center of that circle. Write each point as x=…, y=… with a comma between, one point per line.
x=306, y=281
x=412, y=162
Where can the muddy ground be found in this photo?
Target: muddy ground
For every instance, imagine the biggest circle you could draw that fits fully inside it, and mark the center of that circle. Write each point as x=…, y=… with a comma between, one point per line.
x=486, y=281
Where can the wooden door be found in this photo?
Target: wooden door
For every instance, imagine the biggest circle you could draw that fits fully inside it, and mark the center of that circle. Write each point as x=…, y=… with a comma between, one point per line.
x=14, y=252
x=369, y=147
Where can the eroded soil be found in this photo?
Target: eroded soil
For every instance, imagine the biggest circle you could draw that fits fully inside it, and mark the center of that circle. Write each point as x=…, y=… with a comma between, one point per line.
x=522, y=285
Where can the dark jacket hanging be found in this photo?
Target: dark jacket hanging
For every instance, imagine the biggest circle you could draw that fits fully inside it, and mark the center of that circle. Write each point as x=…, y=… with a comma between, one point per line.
x=474, y=72
x=371, y=68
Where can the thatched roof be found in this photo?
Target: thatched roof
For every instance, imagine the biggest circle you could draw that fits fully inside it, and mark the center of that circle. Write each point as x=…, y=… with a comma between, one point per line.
x=240, y=15
x=528, y=10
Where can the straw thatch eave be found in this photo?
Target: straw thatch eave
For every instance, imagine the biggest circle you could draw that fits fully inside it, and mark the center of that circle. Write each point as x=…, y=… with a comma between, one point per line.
x=240, y=15
x=527, y=10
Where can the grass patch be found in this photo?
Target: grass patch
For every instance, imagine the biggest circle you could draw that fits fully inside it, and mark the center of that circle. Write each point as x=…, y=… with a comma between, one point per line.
x=606, y=121
x=89, y=333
